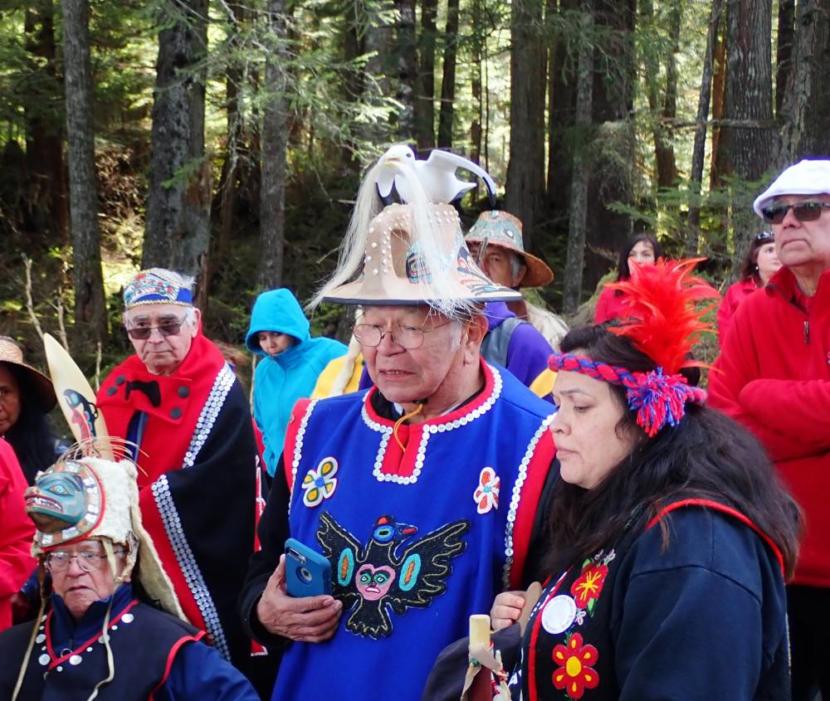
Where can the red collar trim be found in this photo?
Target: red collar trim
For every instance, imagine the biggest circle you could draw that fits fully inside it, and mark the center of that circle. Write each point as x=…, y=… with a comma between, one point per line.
x=81, y=648
x=487, y=395
x=717, y=506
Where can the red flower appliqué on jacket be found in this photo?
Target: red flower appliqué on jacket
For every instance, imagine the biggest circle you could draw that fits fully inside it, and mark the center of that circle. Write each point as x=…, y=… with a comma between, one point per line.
x=587, y=588
x=575, y=673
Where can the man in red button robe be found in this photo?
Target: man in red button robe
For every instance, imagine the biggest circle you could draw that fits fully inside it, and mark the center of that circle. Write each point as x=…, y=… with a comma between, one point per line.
x=180, y=404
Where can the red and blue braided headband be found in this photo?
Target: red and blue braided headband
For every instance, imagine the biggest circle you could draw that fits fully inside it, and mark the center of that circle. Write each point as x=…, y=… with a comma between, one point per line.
x=657, y=399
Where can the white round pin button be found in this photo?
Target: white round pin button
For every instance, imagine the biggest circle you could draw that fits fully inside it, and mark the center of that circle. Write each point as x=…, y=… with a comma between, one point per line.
x=559, y=614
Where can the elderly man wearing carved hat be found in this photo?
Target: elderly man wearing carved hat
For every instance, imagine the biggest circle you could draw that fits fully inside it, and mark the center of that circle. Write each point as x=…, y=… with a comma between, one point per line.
x=773, y=376
x=422, y=491
x=182, y=409
x=114, y=628
x=497, y=243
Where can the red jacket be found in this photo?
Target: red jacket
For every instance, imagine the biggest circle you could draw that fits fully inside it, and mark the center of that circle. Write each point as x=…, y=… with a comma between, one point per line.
x=773, y=376
x=736, y=294
x=16, y=532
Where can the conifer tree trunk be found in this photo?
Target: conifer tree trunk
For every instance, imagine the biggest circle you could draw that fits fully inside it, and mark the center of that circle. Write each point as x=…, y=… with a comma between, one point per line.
x=806, y=101
x=90, y=309
x=749, y=137
x=581, y=170
x=525, y=185
x=178, y=203
x=447, y=111
x=718, y=101
x=274, y=145
x=479, y=45
x=44, y=130
x=425, y=93
x=699, y=147
x=784, y=50
x=407, y=67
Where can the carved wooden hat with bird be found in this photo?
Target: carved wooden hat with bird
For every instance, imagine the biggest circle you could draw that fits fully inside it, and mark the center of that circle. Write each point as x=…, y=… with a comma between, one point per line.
x=412, y=252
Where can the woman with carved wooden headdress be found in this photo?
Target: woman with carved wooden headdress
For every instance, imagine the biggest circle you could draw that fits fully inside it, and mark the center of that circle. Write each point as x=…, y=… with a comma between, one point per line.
x=670, y=536
x=112, y=627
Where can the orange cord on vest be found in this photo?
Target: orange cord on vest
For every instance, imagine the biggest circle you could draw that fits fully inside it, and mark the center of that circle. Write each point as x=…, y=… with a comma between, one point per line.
x=403, y=418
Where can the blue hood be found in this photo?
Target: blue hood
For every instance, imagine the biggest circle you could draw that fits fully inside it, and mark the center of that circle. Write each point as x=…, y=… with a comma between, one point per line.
x=276, y=310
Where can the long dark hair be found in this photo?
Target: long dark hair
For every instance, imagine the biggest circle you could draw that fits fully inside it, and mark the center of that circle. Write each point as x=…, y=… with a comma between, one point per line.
x=749, y=266
x=707, y=455
x=30, y=436
x=623, y=271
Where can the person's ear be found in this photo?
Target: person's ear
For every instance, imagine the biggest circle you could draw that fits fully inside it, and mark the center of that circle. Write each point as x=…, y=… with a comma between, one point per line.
x=197, y=320
x=476, y=330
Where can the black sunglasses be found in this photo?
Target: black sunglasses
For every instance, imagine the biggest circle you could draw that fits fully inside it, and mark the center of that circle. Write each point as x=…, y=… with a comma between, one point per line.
x=765, y=237
x=803, y=211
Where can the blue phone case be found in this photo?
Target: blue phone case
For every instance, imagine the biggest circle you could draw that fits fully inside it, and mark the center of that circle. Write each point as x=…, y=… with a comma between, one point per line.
x=307, y=572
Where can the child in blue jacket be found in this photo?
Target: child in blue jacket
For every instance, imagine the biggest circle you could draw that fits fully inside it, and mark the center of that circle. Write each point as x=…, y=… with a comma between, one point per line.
x=291, y=362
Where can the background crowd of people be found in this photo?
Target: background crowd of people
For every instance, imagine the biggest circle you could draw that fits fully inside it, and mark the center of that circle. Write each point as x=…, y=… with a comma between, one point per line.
x=489, y=449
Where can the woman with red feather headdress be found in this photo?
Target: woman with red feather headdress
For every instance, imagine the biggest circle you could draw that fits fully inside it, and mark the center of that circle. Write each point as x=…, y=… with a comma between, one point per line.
x=670, y=538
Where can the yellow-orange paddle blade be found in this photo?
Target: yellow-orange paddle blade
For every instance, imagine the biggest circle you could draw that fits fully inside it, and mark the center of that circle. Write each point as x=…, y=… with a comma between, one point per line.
x=76, y=398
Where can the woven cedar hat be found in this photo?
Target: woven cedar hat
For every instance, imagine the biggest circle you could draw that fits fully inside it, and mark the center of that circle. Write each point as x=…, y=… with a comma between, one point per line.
x=395, y=270
x=497, y=228
x=11, y=354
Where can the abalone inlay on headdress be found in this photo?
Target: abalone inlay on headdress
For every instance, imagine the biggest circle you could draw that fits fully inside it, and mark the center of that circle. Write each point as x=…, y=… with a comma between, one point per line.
x=65, y=503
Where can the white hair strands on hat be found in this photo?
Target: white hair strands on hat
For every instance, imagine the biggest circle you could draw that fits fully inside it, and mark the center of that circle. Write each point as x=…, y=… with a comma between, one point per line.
x=430, y=247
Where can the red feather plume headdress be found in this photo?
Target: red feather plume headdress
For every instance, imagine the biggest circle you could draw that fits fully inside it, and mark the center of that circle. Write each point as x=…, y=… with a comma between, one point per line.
x=663, y=322
x=661, y=317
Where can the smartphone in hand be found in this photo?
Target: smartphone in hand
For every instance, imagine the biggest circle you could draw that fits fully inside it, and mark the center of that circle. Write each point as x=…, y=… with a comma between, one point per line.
x=307, y=572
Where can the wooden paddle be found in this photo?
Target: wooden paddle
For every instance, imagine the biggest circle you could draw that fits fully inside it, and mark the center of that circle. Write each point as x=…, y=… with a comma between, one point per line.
x=76, y=399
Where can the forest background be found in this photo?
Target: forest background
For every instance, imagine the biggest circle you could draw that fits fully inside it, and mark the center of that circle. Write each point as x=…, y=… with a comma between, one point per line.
x=227, y=139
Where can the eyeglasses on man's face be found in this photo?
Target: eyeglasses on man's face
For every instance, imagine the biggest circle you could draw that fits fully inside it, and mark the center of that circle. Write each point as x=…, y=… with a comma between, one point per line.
x=88, y=560
x=802, y=211
x=141, y=331
x=407, y=337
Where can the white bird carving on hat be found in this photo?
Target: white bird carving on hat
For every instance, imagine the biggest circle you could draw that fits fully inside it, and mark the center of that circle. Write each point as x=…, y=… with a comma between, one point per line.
x=436, y=175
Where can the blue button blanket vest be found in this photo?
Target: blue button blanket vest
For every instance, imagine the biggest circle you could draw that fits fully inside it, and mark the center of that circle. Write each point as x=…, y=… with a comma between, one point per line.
x=144, y=642
x=421, y=530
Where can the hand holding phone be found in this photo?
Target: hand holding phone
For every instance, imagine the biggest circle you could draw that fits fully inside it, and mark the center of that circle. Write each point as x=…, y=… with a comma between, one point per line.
x=307, y=572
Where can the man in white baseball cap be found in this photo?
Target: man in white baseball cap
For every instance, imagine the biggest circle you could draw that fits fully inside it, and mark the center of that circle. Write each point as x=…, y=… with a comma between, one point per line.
x=773, y=376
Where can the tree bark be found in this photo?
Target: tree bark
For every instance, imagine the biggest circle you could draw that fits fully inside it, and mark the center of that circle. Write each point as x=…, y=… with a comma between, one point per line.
x=562, y=108
x=747, y=152
x=425, y=93
x=447, y=112
x=806, y=102
x=177, y=231
x=784, y=51
x=90, y=308
x=613, y=151
x=274, y=145
x=663, y=114
x=479, y=46
x=237, y=152
x=577, y=224
x=44, y=132
x=699, y=147
x=718, y=102
x=407, y=67
x=525, y=185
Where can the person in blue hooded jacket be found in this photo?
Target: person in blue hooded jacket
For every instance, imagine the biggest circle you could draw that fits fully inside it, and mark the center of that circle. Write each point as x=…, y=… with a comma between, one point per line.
x=291, y=362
